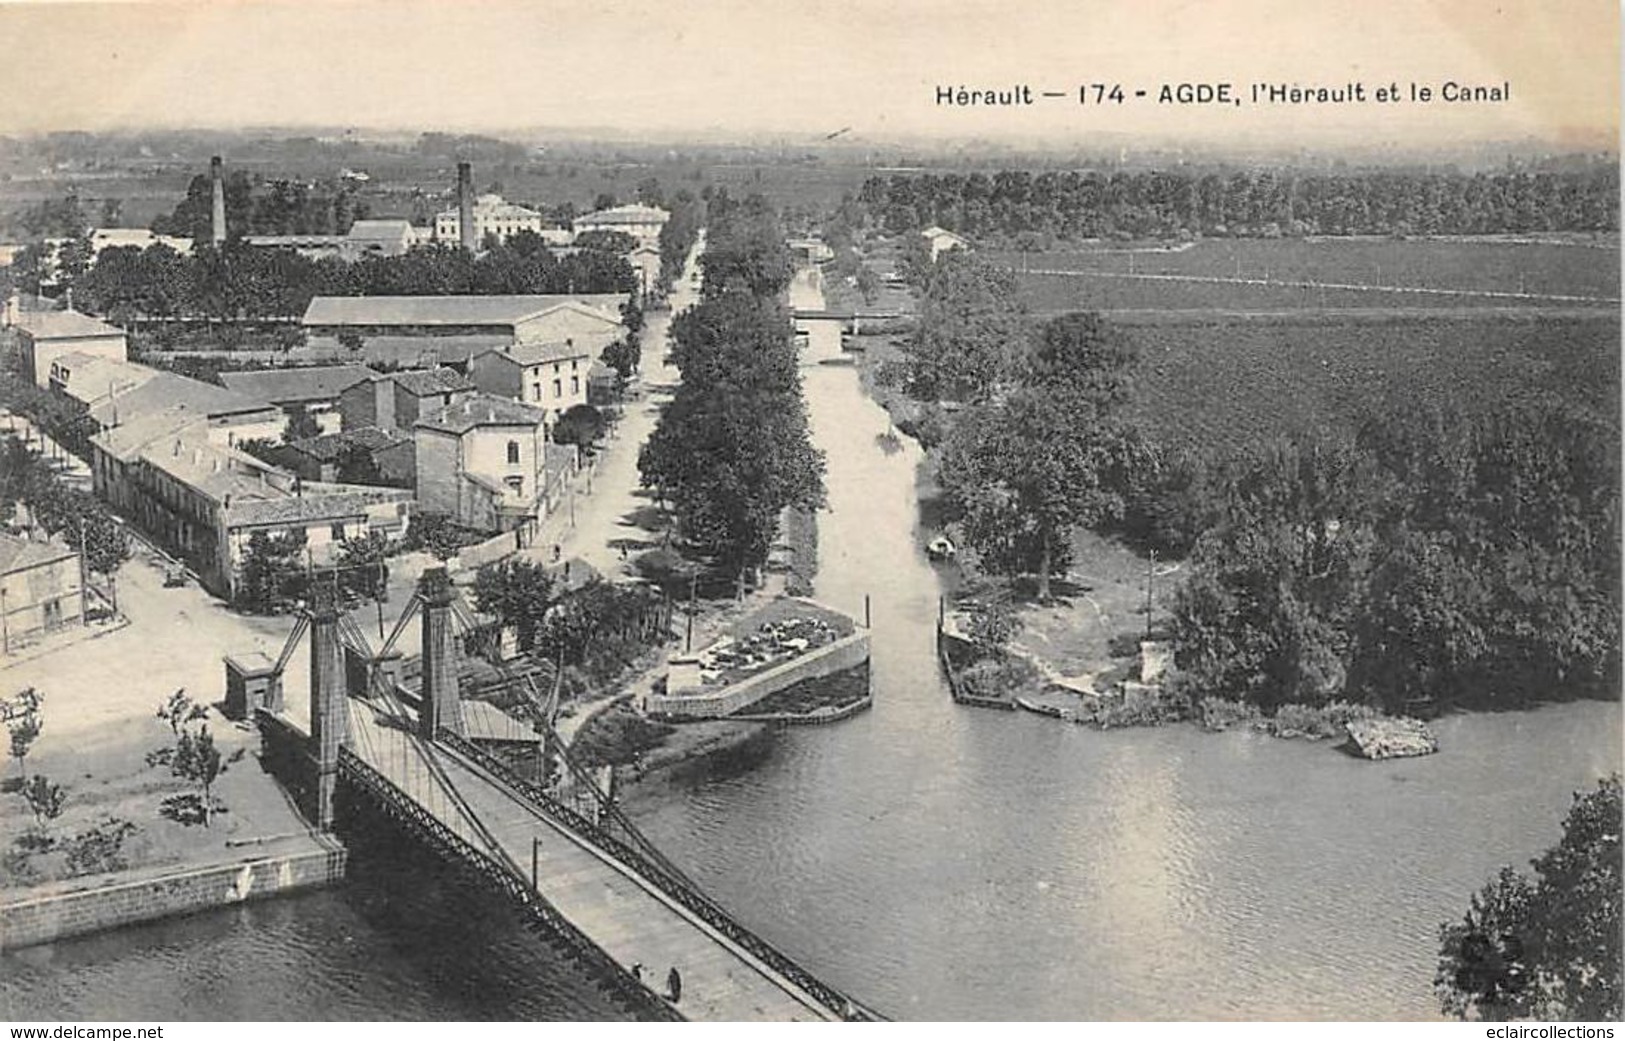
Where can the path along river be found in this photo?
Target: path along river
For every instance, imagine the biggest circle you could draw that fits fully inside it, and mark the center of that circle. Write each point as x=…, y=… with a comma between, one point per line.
x=945, y=862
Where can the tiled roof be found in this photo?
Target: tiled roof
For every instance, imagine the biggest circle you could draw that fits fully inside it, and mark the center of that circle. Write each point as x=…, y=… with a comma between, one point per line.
x=222, y=474
x=413, y=350
x=482, y=410
x=534, y=353
x=125, y=441
x=424, y=382
x=21, y=554
x=444, y=310
x=167, y=390
x=328, y=447
x=60, y=325
x=92, y=377
x=318, y=383
x=380, y=229
x=314, y=505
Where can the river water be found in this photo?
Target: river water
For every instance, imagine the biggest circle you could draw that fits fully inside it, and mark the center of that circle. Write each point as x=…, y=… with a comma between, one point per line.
x=938, y=861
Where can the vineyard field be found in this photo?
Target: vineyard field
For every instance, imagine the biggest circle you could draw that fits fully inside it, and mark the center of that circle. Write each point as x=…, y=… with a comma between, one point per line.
x=1222, y=386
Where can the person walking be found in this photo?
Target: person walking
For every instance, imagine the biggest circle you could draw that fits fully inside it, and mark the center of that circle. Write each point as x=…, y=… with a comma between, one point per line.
x=674, y=985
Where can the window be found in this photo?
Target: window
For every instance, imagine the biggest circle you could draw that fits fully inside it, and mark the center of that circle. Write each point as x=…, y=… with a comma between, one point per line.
x=572, y=365
x=515, y=484
x=535, y=392
x=337, y=531
x=557, y=367
x=558, y=388
x=575, y=384
x=53, y=613
x=513, y=453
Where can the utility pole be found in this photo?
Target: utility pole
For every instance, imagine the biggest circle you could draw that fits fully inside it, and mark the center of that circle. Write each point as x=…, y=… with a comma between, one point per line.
x=1150, y=573
x=693, y=582
x=84, y=582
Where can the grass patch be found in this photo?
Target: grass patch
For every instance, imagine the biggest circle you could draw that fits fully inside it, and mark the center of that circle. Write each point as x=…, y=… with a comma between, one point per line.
x=820, y=692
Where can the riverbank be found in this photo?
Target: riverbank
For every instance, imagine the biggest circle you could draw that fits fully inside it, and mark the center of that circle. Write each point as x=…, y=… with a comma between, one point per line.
x=279, y=866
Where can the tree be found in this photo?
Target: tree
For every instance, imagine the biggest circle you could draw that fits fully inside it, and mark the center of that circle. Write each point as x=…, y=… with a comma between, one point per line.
x=301, y=426
x=45, y=799
x=580, y=425
x=1548, y=947
x=270, y=571
x=198, y=761
x=24, y=732
x=352, y=341
x=971, y=333
x=178, y=710
x=518, y=593
x=363, y=570
x=993, y=624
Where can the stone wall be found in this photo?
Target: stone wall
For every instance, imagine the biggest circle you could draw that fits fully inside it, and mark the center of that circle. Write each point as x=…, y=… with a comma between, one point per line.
x=845, y=653
x=42, y=919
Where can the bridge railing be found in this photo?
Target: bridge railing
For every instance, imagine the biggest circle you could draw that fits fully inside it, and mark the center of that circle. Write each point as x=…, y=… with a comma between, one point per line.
x=604, y=967
x=673, y=883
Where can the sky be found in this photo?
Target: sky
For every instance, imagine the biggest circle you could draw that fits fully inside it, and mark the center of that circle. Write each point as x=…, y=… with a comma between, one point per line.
x=812, y=67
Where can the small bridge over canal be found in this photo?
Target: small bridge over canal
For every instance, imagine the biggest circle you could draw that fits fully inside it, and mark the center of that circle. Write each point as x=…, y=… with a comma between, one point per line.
x=550, y=839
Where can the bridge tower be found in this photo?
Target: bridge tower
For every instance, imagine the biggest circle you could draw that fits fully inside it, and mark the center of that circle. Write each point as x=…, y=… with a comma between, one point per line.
x=440, y=706
x=329, y=705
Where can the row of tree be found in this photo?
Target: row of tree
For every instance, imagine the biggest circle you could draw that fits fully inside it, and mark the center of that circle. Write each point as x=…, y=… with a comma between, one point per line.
x=732, y=450
x=241, y=281
x=255, y=206
x=77, y=517
x=1070, y=205
x=1459, y=559
x=678, y=235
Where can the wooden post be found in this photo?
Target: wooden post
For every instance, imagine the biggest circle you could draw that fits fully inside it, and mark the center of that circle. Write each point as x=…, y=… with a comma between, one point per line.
x=535, y=861
x=942, y=613
x=866, y=624
x=688, y=644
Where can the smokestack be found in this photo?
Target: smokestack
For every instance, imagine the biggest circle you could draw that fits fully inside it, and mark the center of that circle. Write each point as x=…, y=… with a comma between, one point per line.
x=217, y=225
x=465, y=207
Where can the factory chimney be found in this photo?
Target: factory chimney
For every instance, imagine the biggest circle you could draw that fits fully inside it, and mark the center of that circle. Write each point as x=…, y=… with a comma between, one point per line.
x=465, y=208
x=217, y=227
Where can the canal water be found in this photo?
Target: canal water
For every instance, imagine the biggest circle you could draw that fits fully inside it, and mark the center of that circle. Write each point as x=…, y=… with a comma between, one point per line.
x=941, y=862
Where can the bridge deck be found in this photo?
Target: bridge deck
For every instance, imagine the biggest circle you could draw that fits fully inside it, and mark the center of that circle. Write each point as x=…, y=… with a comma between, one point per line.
x=626, y=916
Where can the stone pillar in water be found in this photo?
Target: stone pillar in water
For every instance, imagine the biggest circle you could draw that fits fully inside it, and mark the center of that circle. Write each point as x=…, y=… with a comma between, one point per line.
x=329, y=705
x=440, y=706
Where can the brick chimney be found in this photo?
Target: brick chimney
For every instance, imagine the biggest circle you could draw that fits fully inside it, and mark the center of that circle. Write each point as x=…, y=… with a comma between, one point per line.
x=465, y=207
x=217, y=185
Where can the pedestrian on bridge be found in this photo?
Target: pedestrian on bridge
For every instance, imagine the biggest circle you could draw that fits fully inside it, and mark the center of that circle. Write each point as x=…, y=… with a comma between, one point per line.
x=674, y=985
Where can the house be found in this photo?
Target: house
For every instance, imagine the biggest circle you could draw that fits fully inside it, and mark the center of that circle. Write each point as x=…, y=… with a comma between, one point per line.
x=40, y=590
x=389, y=453
x=941, y=240
x=645, y=261
x=384, y=238
x=93, y=380
x=48, y=335
x=482, y=462
x=549, y=376
x=493, y=215
x=203, y=502
x=229, y=417
x=397, y=400
x=516, y=317
x=641, y=222
x=811, y=251
x=312, y=391
x=136, y=238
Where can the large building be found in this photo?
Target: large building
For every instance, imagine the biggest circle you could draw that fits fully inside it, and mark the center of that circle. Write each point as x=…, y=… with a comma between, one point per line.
x=548, y=376
x=524, y=319
x=379, y=238
x=641, y=222
x=48, y=335
x=483, y=462
x=93, y=380
x=203, y=502
x=312, y=391
x=494, y=216
x=41, y=590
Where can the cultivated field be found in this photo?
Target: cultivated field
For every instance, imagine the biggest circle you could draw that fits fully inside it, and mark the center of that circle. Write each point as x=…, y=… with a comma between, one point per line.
x=1253, y=274
x=1218, y=385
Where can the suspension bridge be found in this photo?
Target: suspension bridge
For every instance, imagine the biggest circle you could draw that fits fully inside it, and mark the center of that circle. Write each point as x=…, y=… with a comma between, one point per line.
x=552, y=839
